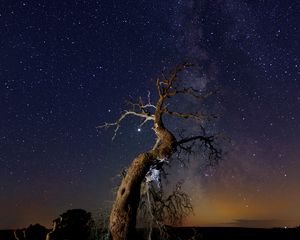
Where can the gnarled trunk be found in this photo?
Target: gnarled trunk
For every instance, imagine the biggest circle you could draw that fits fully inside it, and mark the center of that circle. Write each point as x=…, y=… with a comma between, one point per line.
x=123, y=215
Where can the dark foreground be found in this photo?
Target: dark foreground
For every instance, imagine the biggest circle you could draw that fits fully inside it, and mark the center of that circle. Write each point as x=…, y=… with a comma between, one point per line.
x=204, y=233
x=230, y=233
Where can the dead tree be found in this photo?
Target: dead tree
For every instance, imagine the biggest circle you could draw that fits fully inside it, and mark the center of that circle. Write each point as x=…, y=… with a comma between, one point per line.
x=124, y=211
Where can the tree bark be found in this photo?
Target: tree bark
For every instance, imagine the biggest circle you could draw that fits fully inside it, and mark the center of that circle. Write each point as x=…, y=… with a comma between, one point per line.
x=123, y=215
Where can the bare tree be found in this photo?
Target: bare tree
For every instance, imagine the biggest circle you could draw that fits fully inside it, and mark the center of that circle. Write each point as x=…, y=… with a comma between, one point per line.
x=124, y=211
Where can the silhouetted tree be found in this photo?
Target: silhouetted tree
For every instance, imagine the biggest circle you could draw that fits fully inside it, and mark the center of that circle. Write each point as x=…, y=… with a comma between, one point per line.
x=75, y=224
x=148, y=165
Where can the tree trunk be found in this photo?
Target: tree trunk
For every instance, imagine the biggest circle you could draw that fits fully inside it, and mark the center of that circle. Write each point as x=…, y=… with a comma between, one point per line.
x=123, y=215
x=124, y=210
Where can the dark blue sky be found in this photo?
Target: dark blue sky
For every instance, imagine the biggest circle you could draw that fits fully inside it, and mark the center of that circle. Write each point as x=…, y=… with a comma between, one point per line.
x=68, y=66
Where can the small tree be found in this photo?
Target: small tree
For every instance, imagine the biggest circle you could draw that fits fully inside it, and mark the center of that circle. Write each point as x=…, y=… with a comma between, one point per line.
x=149, y=164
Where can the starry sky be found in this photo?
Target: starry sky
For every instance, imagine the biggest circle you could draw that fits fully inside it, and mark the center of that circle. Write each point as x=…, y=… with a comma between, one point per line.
x=67, y=66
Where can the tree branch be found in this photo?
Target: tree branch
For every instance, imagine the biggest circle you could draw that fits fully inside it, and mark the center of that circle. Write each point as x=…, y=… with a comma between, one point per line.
x=196, y=116
x=207, y=141
x=167, y=84
x=192, y=92
x=146, y=116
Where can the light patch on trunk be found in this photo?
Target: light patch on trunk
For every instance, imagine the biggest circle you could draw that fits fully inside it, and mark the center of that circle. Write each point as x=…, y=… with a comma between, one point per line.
x=153, y=176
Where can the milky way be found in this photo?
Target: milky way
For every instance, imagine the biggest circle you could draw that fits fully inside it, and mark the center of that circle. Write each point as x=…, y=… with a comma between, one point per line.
x=68, y=66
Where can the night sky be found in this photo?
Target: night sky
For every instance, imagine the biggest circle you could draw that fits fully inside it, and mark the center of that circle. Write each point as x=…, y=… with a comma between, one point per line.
x=67, y=67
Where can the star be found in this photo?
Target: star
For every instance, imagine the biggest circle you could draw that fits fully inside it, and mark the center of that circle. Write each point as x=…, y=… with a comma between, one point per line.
x=69, y=67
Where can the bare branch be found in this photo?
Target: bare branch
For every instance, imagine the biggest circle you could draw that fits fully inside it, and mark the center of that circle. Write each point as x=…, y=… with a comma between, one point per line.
x=140, y=106
x=192, y=92
x=208, y=142
x=149, y=104
x=196, y=116
x=117, y=123
x=193, y=138
x=158, y=86
x=146, y=120
x=173, y=208
x=167, y=84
